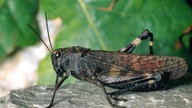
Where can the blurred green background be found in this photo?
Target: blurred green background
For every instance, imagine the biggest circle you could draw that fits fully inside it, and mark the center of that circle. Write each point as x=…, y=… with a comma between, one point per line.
x=14, y=17
x=85, y=25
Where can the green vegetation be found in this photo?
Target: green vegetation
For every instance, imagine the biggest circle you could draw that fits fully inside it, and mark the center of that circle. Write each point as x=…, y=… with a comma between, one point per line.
x=85, y=25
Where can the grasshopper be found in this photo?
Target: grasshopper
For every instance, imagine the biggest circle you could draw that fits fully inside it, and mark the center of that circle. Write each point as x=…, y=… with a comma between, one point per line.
x=119, y=70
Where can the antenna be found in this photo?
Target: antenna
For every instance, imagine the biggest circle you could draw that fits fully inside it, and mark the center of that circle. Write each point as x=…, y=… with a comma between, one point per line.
x=38, y=35
x=48, y=31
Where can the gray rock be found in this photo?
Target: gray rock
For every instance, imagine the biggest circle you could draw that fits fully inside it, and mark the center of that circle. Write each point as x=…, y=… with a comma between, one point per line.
x=86, y=95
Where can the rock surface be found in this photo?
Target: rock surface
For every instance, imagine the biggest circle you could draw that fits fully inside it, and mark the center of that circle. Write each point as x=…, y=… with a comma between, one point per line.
x=86, y=95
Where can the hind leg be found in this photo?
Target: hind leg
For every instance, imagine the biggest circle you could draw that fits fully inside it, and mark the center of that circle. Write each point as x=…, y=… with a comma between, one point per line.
x=143, y=36
x=152, y=82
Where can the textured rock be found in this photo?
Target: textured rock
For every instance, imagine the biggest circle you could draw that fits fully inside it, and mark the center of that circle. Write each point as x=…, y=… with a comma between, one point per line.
x=86, y=95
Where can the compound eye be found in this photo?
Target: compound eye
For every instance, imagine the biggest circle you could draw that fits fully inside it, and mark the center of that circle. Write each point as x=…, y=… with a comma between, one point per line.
x=58, y=55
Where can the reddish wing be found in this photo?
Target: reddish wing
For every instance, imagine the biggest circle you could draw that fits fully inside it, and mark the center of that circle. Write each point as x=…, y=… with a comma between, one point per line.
x=139, y=64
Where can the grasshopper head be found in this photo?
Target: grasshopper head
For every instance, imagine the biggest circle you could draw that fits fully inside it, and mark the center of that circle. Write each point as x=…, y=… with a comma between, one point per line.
x=66, y=59
x=56, y=58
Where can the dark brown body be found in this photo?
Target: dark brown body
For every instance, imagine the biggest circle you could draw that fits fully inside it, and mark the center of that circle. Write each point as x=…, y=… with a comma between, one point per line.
x=118, y=69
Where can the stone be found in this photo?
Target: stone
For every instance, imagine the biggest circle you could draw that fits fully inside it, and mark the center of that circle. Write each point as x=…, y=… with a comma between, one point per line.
x=86, y=95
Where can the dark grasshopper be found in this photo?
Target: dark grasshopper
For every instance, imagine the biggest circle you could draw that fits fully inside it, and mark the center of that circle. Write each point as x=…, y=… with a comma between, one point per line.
x=116, y=69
